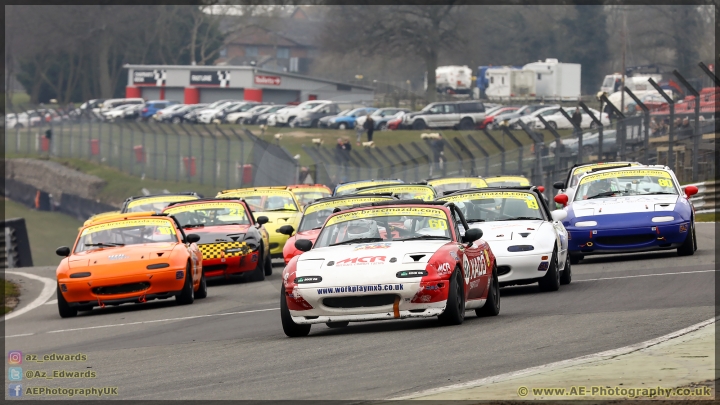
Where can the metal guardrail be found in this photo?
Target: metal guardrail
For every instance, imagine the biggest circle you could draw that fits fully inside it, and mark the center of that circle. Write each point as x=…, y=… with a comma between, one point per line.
x=704, y=200
x=15, y=250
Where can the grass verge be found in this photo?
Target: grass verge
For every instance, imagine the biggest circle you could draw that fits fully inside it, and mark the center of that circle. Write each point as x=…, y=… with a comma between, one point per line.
x=706, y=217
x=11, y=293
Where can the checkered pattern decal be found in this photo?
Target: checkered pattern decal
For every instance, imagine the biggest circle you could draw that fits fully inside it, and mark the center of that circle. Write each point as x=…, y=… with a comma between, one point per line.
x=160, y=77
x=224, y=78
x=224, y=249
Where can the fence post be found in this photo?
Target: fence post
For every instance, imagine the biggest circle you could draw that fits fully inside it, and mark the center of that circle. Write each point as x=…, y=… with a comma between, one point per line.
x=180, y=160
x=509, y=134
x=671, y=132
x=242, y=151
x=167, y=151
x=155, y=145
x=646, y=129
x=710, y=73
x=412, y=159
x=696, y=132
x=381, y=169
x=385, y=159
x=620, y=137
x=397, y=156
x=227, y=158
x=499, y=146
x=599, y=124
x=558, y=141
x=537, y=146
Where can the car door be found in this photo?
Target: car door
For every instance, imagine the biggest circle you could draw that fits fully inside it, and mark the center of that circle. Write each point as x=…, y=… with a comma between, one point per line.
x=450, y=116
x=474, y=262
x=433, y=117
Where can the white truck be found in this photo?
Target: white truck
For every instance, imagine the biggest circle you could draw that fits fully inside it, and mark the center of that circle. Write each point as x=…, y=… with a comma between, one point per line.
x=507, y=83
x=555, y=80
x=453, y=79
x=634, y=83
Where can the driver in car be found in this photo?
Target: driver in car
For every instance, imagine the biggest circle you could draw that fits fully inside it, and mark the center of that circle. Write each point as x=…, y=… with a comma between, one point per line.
x=598, y=187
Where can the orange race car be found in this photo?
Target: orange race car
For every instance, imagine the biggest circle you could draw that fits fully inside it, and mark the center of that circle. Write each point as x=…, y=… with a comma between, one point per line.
x=232, y=241
x=135, y=257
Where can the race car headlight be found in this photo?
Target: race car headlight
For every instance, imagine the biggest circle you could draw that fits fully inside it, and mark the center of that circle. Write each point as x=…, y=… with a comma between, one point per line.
x=520, y=248
x=663, y=219
x=308, y=280
x=80, y=275
x=586, y=223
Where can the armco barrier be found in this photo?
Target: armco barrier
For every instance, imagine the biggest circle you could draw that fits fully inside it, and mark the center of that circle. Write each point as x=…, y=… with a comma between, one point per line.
x=15, y=244
x=704, y=200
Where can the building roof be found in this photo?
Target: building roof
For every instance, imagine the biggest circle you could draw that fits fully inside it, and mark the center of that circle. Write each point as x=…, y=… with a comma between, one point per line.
x=268, y=30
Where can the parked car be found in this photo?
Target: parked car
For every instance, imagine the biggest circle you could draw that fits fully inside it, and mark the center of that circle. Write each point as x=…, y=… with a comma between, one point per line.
x=177, y=116
x=286, y=116
x=514, y=115
x=324, y=121
x=262, y=119
x=208, y=113
x=221, y=117
x=529, y=118
x=557, y=120
x=133, y=112
x=22, y=120
x=152, y=107
x=380, y=117
x=590, y=143
x=348, y=120
x=167, y=110
x=311, y=118
x=243, y=117
x=108, y=105
x=494, y=112
x=456, y=115
x=117, y=112
x=396, y=122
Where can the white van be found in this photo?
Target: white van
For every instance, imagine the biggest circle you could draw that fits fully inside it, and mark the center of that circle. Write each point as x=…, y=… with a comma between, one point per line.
x=108, y=105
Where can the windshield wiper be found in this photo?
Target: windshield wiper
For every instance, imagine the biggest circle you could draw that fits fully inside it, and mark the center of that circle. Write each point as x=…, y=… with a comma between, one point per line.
x=282, y=209
x=188, y=226
x=470, y=221
x=108, y=244
x=357, y=240
x=520, y=219
x=657, y=193
x=424, y=237
x=605, y=194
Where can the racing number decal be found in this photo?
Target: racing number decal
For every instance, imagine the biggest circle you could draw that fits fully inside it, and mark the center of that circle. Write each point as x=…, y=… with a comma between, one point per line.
x=531, y=202
x=665, y=183
x=438, y=224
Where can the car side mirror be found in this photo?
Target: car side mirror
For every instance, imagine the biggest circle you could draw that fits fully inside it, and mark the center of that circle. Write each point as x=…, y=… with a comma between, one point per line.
x=691, y=191
x=63, y=251
x=286, y=230
x=541, y=189
x=303, y=245
x=558, y=215
x=561, y=199
x=192, y=237
x=472, y=234
x=559, y=185
x=262, y=220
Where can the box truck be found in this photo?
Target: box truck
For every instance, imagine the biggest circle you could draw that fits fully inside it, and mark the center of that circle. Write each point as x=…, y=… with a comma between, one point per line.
x=506, y=83
x=555, y=80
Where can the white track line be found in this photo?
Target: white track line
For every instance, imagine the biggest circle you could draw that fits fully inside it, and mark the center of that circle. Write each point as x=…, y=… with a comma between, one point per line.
x=561, y=364
x=47, y=292
x=646, y=275
x=51, y=302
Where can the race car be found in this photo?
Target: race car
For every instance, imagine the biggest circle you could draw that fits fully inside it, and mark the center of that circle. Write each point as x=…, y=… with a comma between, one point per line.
x=402, y=191
x=629, y=209
x=446, y=185
x=389, y=260
x=352, y=186
x=134, y=258
x=314, y=217
x=568, y=186
x=278, y=205
x=309, y=192
x=529, y=241
x=506, y=181
x=155, y=203
x=233, y=242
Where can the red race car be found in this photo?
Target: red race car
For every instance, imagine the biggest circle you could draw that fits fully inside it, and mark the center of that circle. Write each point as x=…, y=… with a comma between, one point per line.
x=232, y=241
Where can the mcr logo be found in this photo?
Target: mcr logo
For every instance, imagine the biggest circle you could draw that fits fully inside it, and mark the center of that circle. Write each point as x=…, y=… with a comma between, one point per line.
x=365, y=260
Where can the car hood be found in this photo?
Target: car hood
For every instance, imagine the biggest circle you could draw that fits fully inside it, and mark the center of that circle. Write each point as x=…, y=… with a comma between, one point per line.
x=276, y=219
x=623, y=205
x=510, y=230
x=226, y=233
x=388, y=250
x=122, y=255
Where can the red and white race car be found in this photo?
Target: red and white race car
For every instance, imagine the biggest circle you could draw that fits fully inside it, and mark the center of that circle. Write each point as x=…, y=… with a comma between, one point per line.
x=390, y=260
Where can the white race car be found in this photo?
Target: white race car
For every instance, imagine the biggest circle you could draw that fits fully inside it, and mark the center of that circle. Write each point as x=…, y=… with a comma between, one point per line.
x=529, y=241
x=389, y=260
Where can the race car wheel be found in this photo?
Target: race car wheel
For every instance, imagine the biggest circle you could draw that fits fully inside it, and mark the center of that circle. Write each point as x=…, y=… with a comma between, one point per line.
x=688, y=247
x=566, y=275
x=259, y=273
x=466, y=124
x=63, y=307
x=492, y=305
x=187, y=295
x=342, y=126
x=290, y=328
x=268, y=265
x=575, y=259
x=202, y=290
x=455, y=309
x=419, y=125
x=551, y=280
x=337, y=324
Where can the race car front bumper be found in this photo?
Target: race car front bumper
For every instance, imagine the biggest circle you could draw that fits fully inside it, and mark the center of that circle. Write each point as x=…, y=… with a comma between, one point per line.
x=668, y=235
x=525, y=267
x=229, y=266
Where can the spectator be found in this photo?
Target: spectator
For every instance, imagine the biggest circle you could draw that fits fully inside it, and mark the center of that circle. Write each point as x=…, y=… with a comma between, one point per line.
x=304, y=171
x=685, y=129
x=609, y=111
x=343, y=149
x=358, y=132
x=618, y=84
x=438, y=147
x=654, y=127
x=665, y=127
x=576, y=121
x=369, y=126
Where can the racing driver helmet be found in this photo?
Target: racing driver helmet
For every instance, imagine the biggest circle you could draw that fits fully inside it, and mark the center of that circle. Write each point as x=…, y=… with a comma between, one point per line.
x=362, y=228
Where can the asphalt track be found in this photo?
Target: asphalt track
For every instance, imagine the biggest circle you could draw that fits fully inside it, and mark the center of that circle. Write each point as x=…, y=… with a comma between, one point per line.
x=231, y=345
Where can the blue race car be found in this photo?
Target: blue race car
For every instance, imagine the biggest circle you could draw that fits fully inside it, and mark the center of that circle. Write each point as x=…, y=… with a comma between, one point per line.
x=629, y=209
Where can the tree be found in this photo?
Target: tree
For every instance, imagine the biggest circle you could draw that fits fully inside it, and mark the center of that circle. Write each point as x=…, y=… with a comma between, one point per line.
x=586, y=42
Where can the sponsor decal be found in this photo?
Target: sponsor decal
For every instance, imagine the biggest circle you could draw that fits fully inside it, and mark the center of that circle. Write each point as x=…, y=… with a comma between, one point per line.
x=308, y=280
x=425, y=298
x=268, y=80
x=168, y=199
x=355, y=186
x=350, y=289
x=454, y=255
x=422, y=192
x=444, y=268
x=163, y=224
x=523, y=181
x=368, y=246
x=387, y=212
x=205, y=78
x=361, y=261
x=235, y=208
x=474, y=182
x=117, y=257
x=621, y=173
x=411, y=273
x=155, y=77
x=529, y=198
x=474, y=267
x=342, y=203
x=543, y=266
x=474, y=284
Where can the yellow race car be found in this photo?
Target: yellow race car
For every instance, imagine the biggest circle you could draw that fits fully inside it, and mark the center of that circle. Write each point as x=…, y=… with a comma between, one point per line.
x=97, y=217
x=507, y=181
x=447, y=185
x=280, y=207
x=402, y=191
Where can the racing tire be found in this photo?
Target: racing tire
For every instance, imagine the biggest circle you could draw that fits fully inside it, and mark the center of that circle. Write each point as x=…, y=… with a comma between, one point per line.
x=337, y=324
x=419, y=125
x=688, y=247
x=202, y=289
x=551, y=280
x=259, y=273
x=239, y=121
x=268, y=265
x=342, y=126
x=566, y=274
x=64, y=309
x=290, y=328
x=187, y=295
x=492, y=305
x=455, y=309
x=466, y=124
x=575, y=259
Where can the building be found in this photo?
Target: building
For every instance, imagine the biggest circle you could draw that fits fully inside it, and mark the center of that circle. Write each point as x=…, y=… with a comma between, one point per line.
x=206, y=84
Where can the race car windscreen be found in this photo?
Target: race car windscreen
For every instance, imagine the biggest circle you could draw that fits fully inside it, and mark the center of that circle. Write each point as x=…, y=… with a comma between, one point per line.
x=156, y=204
x=209, y=214
x=126, y=232
x=385, y=224
x=306, y=196
x=315, y=214
x=497, y=206
x=444, y=185
x=625, y=183
x=404, y=192
x=350, y=188
x=579, y=171
x=507, y=182
x=268, y=200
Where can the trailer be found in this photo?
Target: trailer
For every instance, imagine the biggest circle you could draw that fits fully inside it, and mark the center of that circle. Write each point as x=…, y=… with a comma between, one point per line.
x=453, y=79
x=507, y=83
x=555, y=80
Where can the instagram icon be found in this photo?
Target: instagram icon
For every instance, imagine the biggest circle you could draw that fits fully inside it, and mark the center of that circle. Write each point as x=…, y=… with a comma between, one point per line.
x=14, y=357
